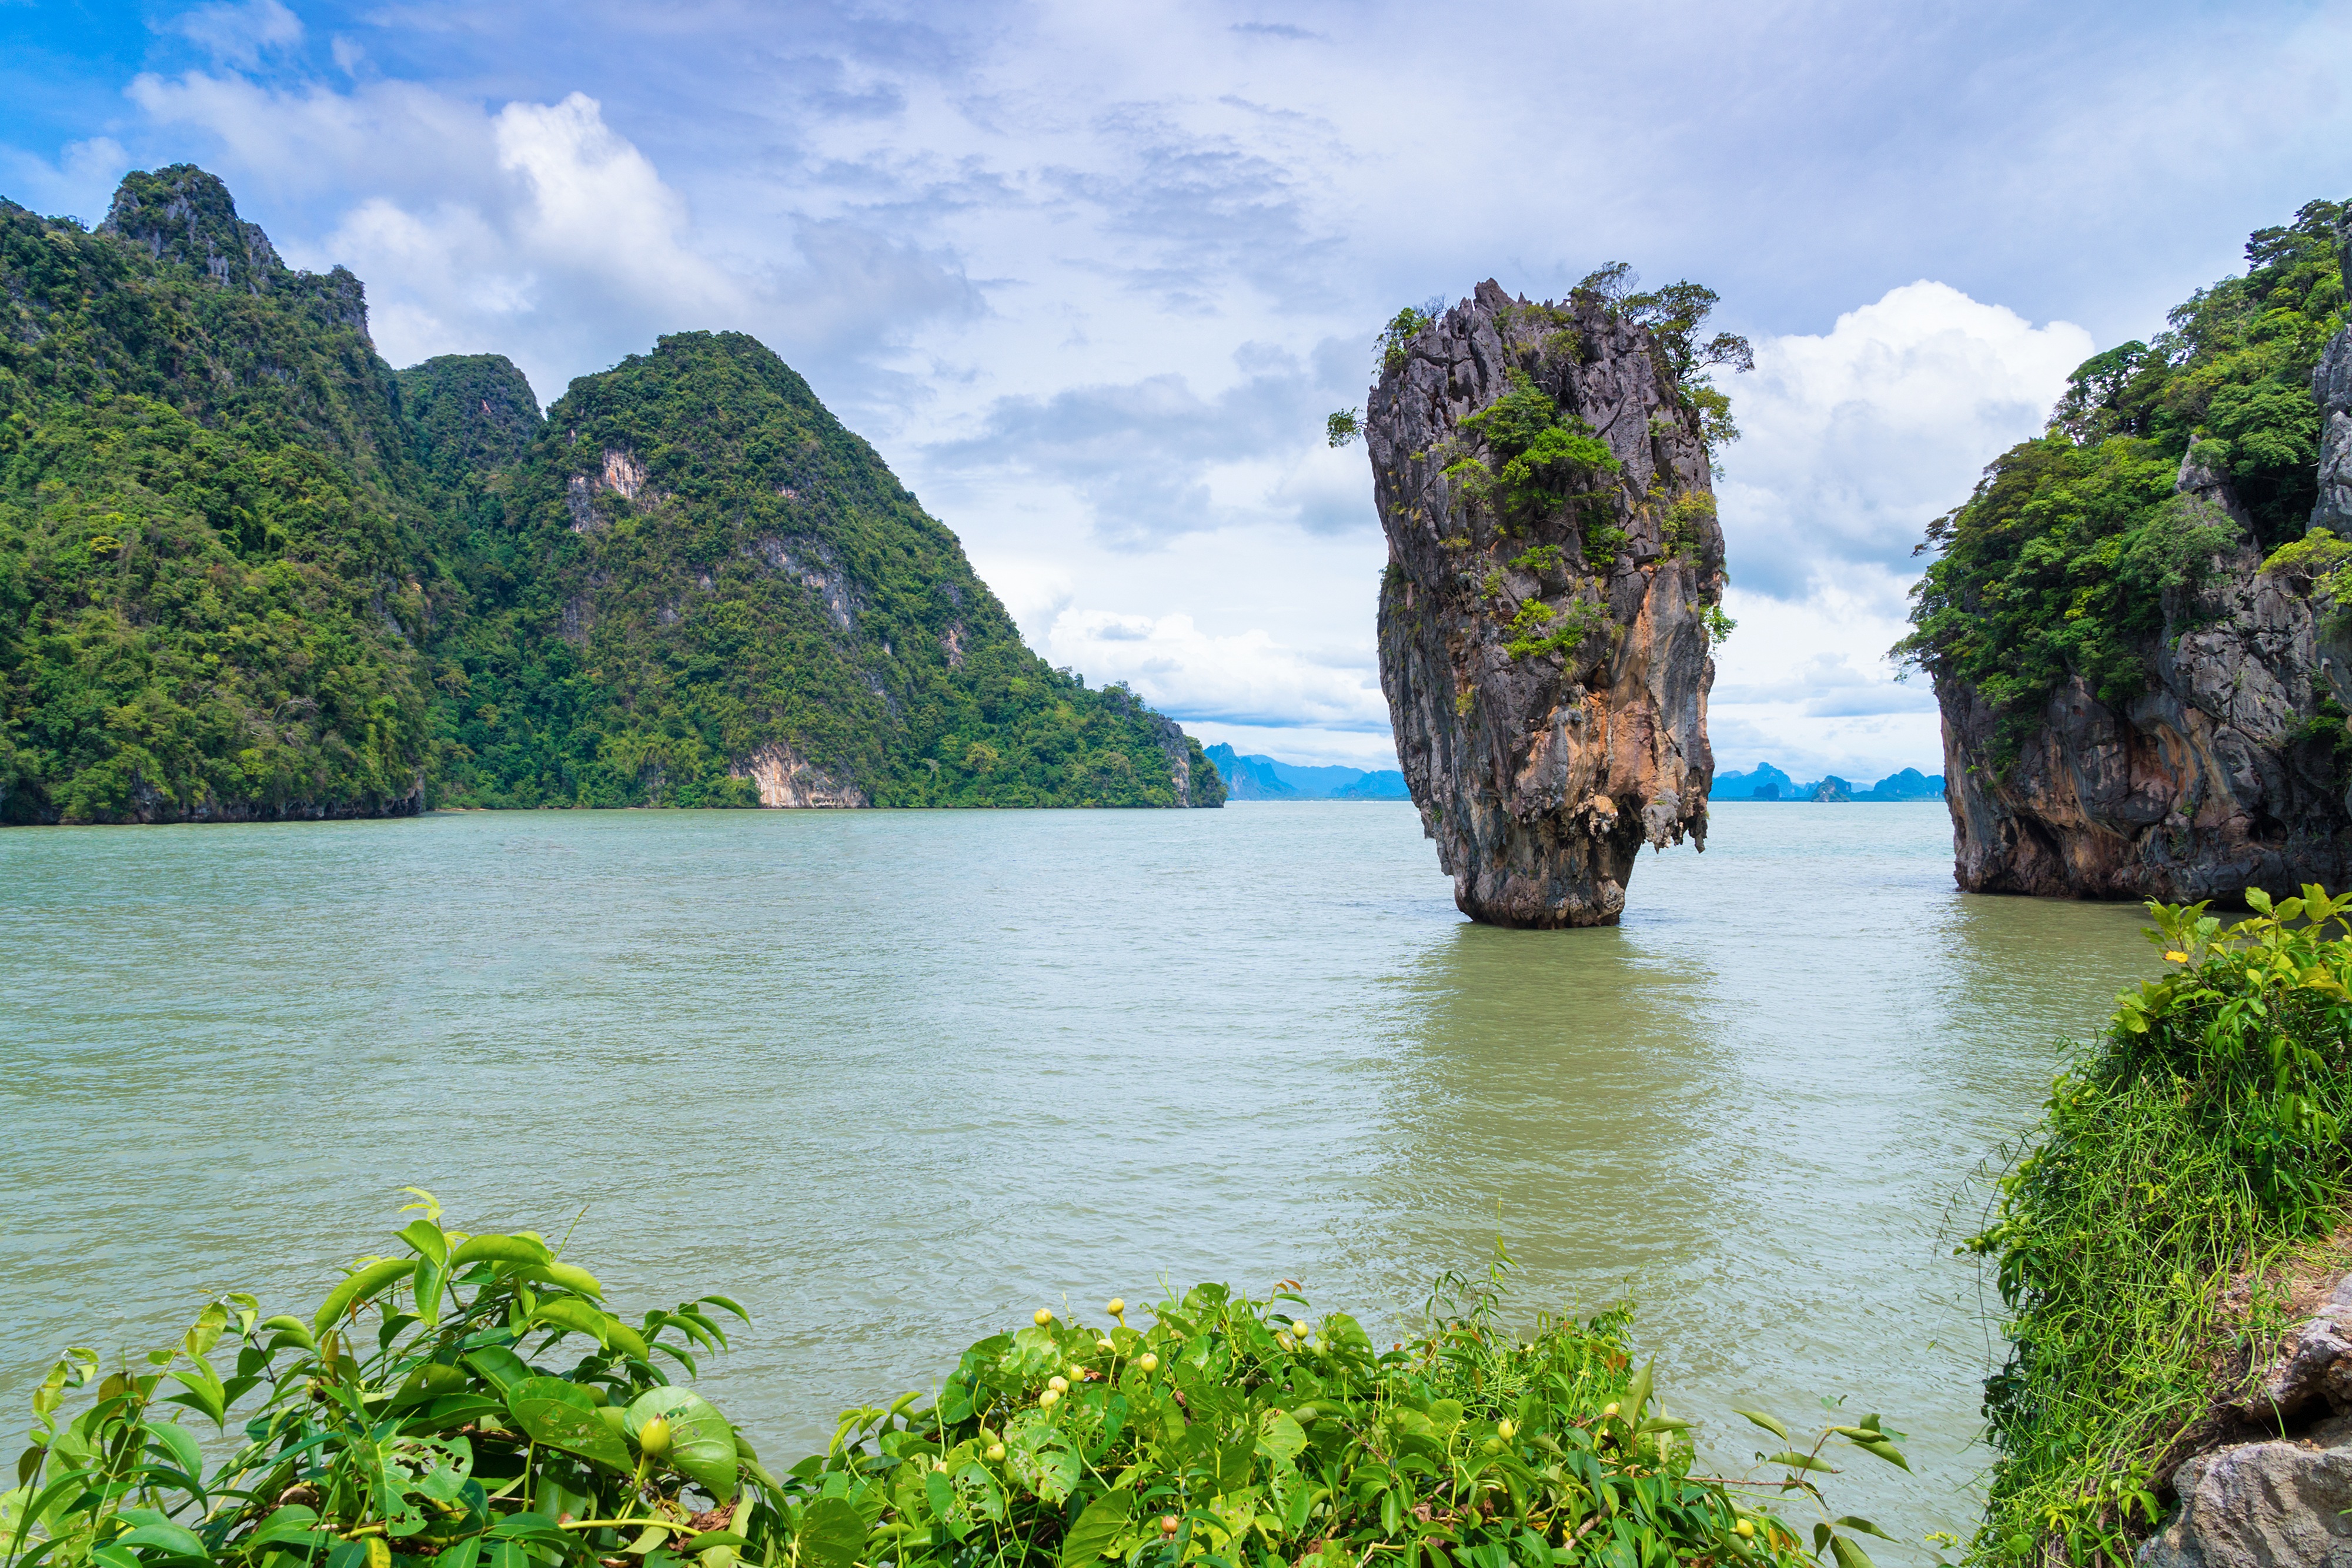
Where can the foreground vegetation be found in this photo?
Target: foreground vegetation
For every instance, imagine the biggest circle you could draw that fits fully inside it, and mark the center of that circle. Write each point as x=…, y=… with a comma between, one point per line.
x=2144, y=1245
x=2057, y=564
x=473, y=1402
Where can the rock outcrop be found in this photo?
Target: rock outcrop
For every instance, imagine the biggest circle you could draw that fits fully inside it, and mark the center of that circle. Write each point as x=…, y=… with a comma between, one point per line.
x=2272, y=1487
x=1553, y=554
x=2221, y=776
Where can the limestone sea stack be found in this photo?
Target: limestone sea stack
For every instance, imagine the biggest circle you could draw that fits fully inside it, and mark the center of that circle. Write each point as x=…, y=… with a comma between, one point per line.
x=1554, y=559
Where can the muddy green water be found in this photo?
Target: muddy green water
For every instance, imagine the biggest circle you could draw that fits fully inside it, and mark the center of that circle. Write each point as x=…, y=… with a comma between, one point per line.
x=896, y=1080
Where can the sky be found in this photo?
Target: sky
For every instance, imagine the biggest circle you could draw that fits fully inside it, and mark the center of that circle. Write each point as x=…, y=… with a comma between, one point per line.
x=1089, y=276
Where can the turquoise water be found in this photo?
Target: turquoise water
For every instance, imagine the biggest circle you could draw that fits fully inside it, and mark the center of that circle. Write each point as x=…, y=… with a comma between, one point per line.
x=896, y=1079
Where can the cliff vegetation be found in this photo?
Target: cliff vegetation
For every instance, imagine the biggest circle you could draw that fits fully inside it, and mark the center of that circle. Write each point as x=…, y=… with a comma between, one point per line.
x=2058, y=565
x=2146, y=1240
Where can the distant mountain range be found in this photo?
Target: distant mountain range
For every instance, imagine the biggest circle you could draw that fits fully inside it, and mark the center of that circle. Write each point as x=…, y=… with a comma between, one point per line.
x=1765, y=783
x=1263, y=779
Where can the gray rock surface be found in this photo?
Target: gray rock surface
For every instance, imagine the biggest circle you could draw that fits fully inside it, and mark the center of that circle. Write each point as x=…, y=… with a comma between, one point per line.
x=2262, y=1505
x=2331, y=383
x=2221, y=777
x=1541, y=775
x=2278, y=1500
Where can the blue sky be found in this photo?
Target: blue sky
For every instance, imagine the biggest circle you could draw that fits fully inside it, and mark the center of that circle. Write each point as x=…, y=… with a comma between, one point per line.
x=1089, y=276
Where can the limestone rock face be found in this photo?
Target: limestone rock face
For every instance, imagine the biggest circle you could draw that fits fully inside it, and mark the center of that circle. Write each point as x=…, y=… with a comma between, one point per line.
x=183, y=214
x=2263, y=1505
x=2331, y=384
x=2219, y=777
x=1545, y=653
x=2279, y=1499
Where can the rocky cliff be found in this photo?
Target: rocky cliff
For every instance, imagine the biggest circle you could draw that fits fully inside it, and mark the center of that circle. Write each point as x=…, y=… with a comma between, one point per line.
x=1544, y=622
x=2222, y=774
x=2141, y=692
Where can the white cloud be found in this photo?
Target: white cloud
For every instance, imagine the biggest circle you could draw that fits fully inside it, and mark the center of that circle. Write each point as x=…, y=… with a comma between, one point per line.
x=1854, y=439
x=541, y=233
x=1242, y=678
x=82, y=180
x=237, y=35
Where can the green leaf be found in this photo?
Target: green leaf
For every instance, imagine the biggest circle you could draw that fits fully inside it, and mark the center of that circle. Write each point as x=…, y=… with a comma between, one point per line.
x=175, y=1540
x=293, y=1329
x=180, y=1443
x=572, y=1312
x=708, y=1538
x=1769, y=1425
x=499, y=1249
x=292, y=1522
x=1850, y=1555
x=1850, y=1523
x=832, y=1533
x=429, y=1280
x=702, y=1443
x=1630, y=1407
x=359, y=1287
x=1097, y=1528
x=1888, y=1451
x=1283, y=1440
x=527, y=1527
x=569, y=1276
x=1795, y=1460
x=204, y=1391
x=427, y=1240
x=557, y=1413
x=501, y=1367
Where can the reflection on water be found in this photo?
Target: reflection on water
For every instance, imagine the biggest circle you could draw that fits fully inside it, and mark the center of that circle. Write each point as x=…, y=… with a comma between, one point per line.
x=897, y=1077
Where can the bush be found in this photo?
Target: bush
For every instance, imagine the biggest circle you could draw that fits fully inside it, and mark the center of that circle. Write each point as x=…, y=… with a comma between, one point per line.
x=475, y=1404
x=2192, y=1153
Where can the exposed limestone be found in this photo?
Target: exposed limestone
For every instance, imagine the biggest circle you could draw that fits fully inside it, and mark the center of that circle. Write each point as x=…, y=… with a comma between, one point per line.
x=1541, y=774
x=2273, y=1489
x=785, y=779
x=2215, y=780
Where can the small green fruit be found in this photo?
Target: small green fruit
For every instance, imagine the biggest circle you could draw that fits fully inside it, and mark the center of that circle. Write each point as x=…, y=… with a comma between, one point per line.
x=1051, y=1398
x=653, y=1438
x=1149, y=1362
x=1058, y=1383
x=995, y=1453
x=1043, y=1316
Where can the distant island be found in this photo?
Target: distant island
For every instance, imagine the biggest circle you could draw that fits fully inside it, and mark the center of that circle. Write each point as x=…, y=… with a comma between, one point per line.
x=1263, y=779
x=1765, y=783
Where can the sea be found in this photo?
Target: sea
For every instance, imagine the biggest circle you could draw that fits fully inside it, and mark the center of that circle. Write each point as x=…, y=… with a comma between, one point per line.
x=895, y=1080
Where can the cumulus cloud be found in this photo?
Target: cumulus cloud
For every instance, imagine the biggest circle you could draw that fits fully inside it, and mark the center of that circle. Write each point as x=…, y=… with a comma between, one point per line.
x=539, y=232
x=1854, y=439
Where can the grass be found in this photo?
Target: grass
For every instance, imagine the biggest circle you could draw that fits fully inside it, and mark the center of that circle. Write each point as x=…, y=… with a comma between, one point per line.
x=2150, y=1242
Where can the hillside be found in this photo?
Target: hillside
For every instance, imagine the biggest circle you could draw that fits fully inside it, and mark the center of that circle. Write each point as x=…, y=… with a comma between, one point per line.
x=246, y=571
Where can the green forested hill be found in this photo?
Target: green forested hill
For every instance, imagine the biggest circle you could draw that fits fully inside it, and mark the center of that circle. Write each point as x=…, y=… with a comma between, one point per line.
x=2058, y=564
x=246, y=570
